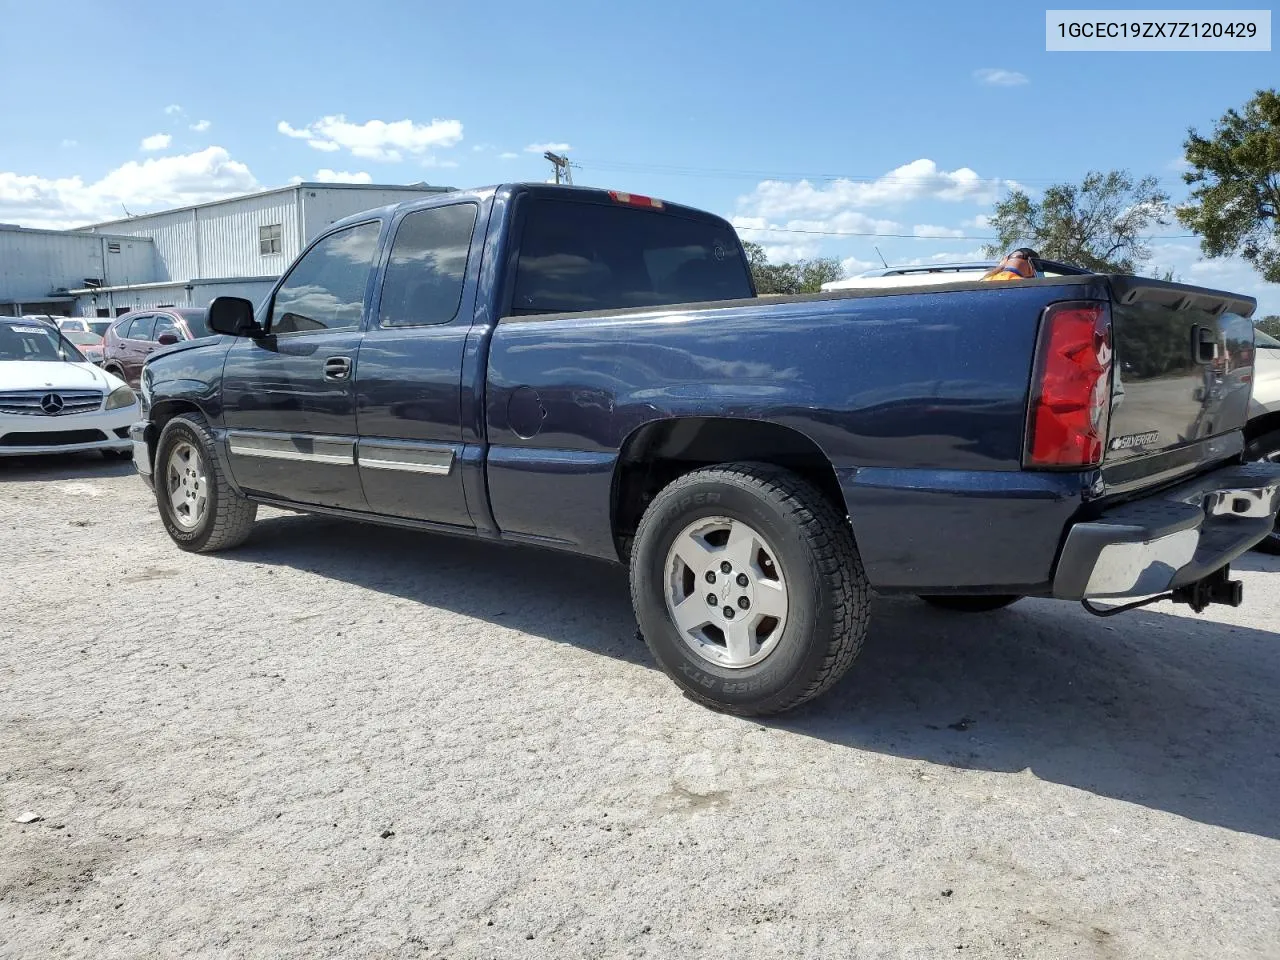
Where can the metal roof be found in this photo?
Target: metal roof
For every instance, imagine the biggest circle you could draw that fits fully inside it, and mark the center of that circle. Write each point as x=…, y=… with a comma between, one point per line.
x=15, y=228
x=302, y=185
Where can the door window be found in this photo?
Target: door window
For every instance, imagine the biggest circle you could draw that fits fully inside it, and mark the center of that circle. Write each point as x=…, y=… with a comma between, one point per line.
x=166, y=324
x=141, y=328
x=326, y=288
x=424, y=277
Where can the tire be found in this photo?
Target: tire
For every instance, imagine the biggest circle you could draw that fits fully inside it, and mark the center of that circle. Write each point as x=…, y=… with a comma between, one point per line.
x=972, y=604
x=115, y=372
x=801, y=563
x=224, y=518
x=1267, y=447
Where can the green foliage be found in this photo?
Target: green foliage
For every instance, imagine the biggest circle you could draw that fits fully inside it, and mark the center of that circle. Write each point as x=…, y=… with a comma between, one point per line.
x=1098, y=224
x=806, y=276
x=1235, y=205
x=1270, y=324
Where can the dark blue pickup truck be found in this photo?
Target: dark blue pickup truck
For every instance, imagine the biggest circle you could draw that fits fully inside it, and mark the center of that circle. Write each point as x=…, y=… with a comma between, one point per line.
x=591, y=371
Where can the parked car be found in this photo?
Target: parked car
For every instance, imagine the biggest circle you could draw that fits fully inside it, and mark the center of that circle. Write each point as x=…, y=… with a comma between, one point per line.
x=1262, y=433
x=89, y=344
x=590, y=371
x=133, y=337
x=85, y=325
x=53, y=400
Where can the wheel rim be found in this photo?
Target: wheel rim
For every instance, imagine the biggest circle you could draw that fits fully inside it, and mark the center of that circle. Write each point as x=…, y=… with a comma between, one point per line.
x=187, y=485
x=729, y=562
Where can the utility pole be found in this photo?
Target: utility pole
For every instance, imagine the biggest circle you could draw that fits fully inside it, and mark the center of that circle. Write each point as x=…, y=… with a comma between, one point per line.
x=561, y=164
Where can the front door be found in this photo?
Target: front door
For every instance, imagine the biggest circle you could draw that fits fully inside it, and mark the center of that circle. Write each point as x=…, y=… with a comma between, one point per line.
x=409, y=378
x=289, y=396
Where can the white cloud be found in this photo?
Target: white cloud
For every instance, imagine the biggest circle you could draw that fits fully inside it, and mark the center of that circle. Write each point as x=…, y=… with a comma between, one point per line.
x=995, y=77
x=852, y=266
x=157, y=141
x=154, y=184
x=508, y=155
x=918, y=180
x=201, y=126
x=929, y=230
x=325, y=175
x=541, y=148
x=981, y=222
x=70, y=143
x=376, y=139
x=173, y=109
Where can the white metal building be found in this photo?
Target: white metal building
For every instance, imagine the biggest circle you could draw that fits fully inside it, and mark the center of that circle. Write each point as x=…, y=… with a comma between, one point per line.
x=237, y=246
x=40, y=268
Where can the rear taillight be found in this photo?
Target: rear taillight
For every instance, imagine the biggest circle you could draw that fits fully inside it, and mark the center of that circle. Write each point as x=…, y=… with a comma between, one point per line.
x=1071, y=387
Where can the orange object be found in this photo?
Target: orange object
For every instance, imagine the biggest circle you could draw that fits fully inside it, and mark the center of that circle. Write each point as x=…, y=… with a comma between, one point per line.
x=1015, y=266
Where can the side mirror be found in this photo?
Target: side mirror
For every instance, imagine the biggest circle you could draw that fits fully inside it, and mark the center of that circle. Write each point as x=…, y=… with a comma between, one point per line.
x=233, y=316
x=167, y=339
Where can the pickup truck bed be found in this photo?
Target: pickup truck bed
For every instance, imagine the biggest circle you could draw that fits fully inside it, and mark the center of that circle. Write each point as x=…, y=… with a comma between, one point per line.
x=590, y=371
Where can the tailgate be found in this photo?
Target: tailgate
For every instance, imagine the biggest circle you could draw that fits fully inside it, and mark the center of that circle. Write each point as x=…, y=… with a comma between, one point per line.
x=1183, y=367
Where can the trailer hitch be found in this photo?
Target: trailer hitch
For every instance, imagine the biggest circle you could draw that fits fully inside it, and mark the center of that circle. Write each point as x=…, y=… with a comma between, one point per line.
x=1217, y=587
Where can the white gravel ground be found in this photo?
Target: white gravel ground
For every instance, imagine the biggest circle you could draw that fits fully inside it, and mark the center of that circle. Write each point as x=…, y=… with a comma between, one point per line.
x=349, y=741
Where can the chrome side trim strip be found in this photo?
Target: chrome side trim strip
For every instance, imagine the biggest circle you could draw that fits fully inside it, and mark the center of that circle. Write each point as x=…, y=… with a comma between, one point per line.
x=432, y=459
x=285, y=446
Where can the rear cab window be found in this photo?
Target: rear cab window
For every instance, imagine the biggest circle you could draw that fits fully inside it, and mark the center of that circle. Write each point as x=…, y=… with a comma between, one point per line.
x=577, y=256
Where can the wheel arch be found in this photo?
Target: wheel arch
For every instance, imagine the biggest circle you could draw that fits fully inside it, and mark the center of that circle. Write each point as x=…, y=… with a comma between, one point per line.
x=658, y=452
x=1259, y=426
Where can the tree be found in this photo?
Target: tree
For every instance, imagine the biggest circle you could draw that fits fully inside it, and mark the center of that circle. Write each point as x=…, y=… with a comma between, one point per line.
x=804, y=276
x=1235, y=205
x=1270, y=324
x=1098, y=224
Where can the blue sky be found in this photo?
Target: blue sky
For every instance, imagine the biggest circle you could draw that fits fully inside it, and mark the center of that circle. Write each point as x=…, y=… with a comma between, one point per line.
x=754, y=111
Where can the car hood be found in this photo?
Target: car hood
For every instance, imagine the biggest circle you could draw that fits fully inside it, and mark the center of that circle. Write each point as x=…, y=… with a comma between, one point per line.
x=55, y=375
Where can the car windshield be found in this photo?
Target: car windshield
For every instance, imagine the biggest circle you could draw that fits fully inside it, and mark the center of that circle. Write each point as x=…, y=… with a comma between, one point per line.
x=82, y=338
x=99, y=326
x=34, y=341
x=1264, y=339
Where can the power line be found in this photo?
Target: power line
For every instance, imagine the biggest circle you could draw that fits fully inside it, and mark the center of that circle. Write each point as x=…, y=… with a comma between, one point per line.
x=738, y=173
x=917, y=236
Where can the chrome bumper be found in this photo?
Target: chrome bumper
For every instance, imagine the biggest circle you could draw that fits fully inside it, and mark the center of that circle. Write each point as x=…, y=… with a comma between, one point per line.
x=1173, y=538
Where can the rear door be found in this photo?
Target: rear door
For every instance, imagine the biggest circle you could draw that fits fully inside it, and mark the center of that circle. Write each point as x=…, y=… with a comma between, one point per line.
x=410, y=369
x=288, y=396
x=139, y=338
x=1183, y=375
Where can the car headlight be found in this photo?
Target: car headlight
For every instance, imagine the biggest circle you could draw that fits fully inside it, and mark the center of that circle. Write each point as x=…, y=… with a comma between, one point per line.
x=120, y=397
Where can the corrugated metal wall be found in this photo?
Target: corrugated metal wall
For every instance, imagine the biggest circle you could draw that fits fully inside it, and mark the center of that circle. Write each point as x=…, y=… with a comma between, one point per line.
x=33, y=264
x=229, y=236
x=322, y=207
x=174, y=237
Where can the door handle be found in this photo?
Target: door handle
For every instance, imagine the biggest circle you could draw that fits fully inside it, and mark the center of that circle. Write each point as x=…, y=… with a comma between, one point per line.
x=337, y=368
x=1204, y=344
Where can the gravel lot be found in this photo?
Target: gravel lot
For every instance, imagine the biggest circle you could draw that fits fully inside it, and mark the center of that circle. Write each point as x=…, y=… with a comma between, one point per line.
x=346, y=740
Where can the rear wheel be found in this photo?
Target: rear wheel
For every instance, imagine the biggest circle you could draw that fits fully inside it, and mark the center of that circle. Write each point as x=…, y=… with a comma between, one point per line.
x=748, y=588
x=199, y=508
x=971, y=604
x=1267, y=447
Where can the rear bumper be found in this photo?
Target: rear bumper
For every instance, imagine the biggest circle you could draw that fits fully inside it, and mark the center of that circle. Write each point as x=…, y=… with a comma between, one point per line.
x=1170, y=539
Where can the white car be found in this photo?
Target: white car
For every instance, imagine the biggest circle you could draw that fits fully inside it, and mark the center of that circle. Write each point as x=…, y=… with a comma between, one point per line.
x=53, y=400
x=1263, y=430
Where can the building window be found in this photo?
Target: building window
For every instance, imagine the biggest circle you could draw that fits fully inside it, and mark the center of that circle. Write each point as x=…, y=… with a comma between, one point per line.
x=269, y=239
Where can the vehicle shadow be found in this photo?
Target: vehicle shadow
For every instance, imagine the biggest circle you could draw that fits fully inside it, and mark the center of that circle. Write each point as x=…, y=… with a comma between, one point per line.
x=1171, y=712
x=88, y=465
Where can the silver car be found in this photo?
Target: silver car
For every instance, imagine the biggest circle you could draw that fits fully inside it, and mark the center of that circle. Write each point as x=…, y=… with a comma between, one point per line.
x=1263, y=431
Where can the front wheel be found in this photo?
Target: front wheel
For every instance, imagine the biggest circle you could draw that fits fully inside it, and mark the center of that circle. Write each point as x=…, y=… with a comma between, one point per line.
x=199, y=508
x=1267, y=447
x=748, y=588
x=972, y=604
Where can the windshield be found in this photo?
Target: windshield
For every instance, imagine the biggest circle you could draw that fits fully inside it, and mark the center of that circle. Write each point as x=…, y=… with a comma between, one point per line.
x=100, y=326
x=81, y=338
x=1264, y=339
x=33, y=341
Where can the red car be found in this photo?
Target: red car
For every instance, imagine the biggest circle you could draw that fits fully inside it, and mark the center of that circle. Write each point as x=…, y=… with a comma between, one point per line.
x=134, y=336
